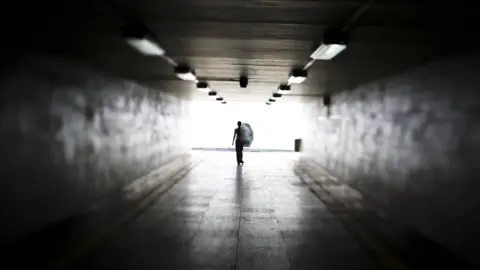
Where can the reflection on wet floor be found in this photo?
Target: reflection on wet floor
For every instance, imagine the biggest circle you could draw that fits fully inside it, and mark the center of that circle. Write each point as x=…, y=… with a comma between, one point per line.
x=259, y=216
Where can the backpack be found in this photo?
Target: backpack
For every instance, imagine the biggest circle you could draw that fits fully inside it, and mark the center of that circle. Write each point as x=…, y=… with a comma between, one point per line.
x=246, y=134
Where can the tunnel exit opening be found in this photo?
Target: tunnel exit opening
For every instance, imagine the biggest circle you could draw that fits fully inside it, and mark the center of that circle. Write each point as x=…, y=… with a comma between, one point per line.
x=275, y=127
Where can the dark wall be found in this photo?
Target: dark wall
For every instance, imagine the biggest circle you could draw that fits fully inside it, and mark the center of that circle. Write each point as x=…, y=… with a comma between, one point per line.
x=411, y=142
x=71, y=136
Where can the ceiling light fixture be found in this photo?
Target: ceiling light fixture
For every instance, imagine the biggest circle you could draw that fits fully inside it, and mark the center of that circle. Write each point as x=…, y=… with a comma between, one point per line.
x=243, y=81
x=271, y=100
x=277, y=95
x=268, y=103
x=327, y=100
x=203, y=87
x=185, y=73
x=219, y=98
x=212, y=93
x=334, y=42
x=142, y=40
x=224, y=102
x=297, y=76
x=284, y=89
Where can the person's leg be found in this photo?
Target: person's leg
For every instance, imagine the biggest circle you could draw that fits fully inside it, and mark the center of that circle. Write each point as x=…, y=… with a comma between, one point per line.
x=241, y=153
x=238, y=152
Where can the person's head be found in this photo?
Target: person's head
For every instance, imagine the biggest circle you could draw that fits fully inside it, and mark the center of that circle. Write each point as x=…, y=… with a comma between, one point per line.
x=239, y=123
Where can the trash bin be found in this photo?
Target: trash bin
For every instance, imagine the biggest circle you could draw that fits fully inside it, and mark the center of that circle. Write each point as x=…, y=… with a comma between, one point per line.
x=298, y=145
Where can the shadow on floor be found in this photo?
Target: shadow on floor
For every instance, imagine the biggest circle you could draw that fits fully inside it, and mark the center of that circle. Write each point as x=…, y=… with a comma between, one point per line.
x=39, y=249
x=413, y=249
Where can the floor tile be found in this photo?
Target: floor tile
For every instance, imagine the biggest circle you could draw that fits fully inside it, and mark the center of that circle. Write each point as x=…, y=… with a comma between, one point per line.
x=220, y=216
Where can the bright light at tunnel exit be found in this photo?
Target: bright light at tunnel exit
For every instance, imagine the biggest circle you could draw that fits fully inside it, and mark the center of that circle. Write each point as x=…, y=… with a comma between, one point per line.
x=275, y=127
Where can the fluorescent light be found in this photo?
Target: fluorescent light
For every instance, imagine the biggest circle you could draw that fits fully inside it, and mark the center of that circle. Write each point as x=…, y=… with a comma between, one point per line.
x=271, y=100
x=142, y=40
x=297, y=76
x=268, y=103
x=334, y=42
x=327, y=51
x=185, y=74
x=219, y=98
x=224, y=102
x=283, y=89
x=145, y=46
x=212, y=93
x=205, y=90
x=296, y=79
x=203, y=87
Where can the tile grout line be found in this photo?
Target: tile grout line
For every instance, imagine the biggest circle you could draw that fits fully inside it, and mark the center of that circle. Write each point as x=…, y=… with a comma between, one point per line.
x=203, y=218
x=92, y=241
x=282, y=237
x=383, y=255
x=239, y=222
x=291, y=188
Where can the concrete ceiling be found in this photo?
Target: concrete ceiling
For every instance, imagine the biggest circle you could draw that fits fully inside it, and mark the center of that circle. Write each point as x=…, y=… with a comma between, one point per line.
x=220, y=39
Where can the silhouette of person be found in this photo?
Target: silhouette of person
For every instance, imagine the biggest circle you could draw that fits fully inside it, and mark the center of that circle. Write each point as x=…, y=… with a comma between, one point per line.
x=238, y=143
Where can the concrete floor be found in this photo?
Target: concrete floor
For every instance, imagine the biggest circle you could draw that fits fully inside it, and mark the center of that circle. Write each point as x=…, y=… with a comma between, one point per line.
x=220, y=216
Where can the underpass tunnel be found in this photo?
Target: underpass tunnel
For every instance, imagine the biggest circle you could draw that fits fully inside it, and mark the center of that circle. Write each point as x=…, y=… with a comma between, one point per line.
x=117, y=120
